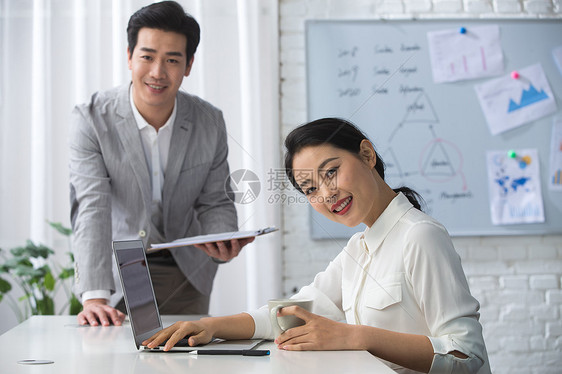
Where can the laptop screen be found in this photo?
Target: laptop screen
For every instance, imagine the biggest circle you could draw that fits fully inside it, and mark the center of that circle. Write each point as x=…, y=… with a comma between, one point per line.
x=137, y=286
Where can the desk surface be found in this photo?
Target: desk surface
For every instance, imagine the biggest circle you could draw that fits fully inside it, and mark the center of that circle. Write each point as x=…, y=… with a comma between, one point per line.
x=111, y=349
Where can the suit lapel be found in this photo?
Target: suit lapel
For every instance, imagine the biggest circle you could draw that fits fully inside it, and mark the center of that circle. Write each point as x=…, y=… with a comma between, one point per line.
x=178, y=151
x=130, y=138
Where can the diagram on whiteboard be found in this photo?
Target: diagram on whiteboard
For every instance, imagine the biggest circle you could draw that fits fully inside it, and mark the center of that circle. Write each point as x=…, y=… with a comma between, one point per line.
x=439, y=160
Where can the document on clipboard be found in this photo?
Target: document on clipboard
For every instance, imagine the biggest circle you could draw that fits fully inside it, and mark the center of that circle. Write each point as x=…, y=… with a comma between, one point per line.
x=211, y=238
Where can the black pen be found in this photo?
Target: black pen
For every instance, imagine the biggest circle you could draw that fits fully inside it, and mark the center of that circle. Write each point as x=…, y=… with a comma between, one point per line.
x=242, y=352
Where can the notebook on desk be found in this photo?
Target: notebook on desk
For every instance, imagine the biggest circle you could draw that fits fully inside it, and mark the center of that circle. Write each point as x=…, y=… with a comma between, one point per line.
x=141, y=304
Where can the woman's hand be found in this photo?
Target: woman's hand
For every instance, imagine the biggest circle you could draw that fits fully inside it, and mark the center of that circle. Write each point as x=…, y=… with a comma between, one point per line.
x=409, y=350
x=318, y=333
x=199, y=332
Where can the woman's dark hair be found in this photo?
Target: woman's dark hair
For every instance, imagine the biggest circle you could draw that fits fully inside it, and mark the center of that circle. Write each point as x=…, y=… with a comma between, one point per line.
x=166, y=16
x=341, y=134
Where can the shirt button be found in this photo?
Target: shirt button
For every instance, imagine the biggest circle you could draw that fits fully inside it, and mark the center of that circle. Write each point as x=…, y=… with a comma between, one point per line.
x=142, y=233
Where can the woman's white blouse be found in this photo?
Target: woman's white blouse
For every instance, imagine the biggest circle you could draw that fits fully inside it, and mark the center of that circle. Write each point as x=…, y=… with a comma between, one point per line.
x=402, y=274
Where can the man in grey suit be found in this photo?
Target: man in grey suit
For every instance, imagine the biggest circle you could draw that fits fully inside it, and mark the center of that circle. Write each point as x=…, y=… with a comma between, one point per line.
x=150, y=162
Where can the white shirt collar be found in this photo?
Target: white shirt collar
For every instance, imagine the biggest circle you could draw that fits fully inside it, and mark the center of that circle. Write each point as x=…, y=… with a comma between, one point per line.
x=375, y=235
x=141, y=122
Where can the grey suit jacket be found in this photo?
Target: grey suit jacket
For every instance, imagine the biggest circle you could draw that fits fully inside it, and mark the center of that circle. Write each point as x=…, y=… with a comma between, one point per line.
x=110, y=186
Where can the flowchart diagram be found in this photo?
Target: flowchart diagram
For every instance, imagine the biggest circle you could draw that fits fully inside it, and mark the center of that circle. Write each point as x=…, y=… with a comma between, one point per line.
x=437, y=160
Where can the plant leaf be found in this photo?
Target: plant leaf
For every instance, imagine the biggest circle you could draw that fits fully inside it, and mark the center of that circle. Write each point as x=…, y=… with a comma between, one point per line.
x=16, y=262
x=27, y=271
x=46, y=306
x=32, y=250
x=39, y=284
x=5, y=286
x=60, y=228
x=49, y=281
x=75, y=306
x=66, y=273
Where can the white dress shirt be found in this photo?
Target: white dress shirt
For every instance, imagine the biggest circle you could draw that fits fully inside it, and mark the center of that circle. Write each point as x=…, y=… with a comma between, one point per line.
x=156, y=146
x=404, y=275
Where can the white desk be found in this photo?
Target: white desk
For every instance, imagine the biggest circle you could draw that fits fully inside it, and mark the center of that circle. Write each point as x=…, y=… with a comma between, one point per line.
x=105, y=350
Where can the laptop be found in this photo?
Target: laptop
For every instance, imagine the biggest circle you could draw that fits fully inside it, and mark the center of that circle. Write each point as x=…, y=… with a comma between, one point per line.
x=141, y=304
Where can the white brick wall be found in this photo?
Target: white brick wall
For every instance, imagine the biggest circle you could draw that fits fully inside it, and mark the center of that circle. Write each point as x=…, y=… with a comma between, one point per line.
x=516, y=279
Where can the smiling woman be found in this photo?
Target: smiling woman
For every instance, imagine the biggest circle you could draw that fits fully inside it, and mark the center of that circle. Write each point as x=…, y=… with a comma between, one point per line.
x=334, y=137
x=399, y=285
x=392, y=261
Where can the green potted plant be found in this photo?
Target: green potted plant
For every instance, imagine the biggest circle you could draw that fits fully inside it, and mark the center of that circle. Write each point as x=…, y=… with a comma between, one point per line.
x=39, y=277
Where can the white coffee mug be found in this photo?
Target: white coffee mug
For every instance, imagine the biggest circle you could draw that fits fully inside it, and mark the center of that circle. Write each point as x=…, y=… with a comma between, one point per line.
x=282, y=324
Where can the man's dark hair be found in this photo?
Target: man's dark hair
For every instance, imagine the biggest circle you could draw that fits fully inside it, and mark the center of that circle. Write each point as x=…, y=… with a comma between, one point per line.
x=165, y=16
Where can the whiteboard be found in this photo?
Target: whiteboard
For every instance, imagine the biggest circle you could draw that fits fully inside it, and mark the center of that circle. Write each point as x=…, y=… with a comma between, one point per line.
x=374, y=72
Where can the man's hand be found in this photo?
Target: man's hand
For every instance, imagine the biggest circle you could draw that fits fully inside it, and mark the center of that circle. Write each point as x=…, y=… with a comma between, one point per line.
x=225, y=251
x=96, y=312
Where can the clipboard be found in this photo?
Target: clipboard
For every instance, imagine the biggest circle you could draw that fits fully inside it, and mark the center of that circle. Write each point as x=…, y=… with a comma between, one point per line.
x=211, y=238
